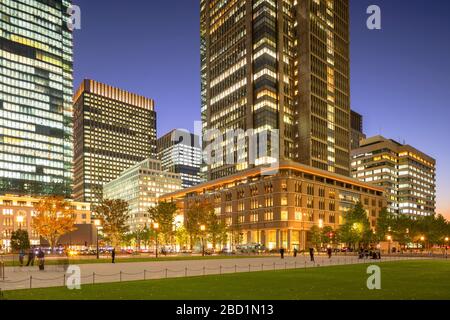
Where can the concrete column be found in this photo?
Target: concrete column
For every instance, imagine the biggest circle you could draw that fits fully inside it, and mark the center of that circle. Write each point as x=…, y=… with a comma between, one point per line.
x=289, y=237
x=263, y=238
x=279, y=243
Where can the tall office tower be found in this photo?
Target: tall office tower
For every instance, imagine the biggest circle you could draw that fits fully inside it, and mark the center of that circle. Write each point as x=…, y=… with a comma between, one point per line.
x=114, y=130
x=180, y=152
x=407, y=174
x=36, y=144
x=278, y=64
x=356, y=121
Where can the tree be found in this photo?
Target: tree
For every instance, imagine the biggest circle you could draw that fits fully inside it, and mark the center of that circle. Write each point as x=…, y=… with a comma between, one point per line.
x=114, y=215
x=356, y=229
x=182, y=237
x=164, y=215
x=316, y=237
x=384, y=224
x=195, y=216
x=328, y=235
x=20, y=240
x=54, y=218
x=216, y=228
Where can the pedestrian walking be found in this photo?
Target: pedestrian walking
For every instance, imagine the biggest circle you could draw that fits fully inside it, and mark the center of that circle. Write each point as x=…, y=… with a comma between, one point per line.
x=41, y=257
x=311, y=254
x=282, y=251
x=330, y=253
x=113, y=255
x=295, y=252
x=31, y=257
x=21, y=257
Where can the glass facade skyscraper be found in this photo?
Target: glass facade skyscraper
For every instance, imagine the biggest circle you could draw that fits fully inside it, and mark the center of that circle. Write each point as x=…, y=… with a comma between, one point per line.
x=36, y=85
x=278, y=65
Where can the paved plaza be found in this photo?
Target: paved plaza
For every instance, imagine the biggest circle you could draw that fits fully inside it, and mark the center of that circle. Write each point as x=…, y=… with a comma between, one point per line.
x=54, y=276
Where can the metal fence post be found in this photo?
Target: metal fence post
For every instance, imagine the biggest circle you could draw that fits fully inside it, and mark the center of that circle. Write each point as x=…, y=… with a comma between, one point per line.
x=120, y=276
x=93, y=278
x=145, y=275
x=167, y=273
x=220, y=270
x=185, y=271
x=64, y=279
x=31, y=282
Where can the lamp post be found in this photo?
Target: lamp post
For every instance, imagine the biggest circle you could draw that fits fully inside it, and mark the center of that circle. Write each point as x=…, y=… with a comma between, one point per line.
x=97, y=226
x=202, y=229
x=390, y=240
x=156, y=227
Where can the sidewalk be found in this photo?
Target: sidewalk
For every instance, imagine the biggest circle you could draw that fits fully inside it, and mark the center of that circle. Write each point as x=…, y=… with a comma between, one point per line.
x=54, y=276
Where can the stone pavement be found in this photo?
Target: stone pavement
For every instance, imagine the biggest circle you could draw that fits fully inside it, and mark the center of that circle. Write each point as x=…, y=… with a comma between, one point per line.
x=26, y=278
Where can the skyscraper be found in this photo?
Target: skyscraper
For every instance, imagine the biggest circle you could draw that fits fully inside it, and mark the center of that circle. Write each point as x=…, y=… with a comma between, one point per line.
x=407, y=174
x=114, y=130
x=278, y=64
x=357, y=127
x=180, y=152
x=36, y=87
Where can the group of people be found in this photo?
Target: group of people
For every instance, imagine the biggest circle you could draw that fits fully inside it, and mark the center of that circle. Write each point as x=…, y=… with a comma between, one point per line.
x=372, y=253
x=32, y=257
x=311, y=253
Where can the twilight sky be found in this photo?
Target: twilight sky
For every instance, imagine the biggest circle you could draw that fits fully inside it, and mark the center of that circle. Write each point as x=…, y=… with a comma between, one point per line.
x=400, y=75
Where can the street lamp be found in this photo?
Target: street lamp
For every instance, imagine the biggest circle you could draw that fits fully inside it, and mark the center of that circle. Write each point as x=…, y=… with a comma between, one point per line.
x=156, y=227
x=97, y=226
x=390, y=240
x=202, y=229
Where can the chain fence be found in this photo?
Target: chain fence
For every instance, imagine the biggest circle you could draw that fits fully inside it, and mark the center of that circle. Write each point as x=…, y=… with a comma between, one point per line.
x=166, y=273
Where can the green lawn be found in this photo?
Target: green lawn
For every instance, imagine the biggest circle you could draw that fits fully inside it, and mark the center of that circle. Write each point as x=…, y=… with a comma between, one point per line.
x=400, y=280
x=78, y=261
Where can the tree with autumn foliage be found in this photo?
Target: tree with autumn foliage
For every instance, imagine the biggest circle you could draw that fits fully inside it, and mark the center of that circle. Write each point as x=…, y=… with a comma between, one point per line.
x=54, y=218
x=113, y=216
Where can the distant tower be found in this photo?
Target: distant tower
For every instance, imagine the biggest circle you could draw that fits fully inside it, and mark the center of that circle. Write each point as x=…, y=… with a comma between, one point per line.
x=114, y=130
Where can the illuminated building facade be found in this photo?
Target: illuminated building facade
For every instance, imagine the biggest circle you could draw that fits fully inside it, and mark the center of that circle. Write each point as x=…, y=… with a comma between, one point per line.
x=114, y=130
x=407, y=174
x=17, y=212
x=141, y=186
x=278, y=65
x=280, y=210
x=180, y=152
x=36, y=145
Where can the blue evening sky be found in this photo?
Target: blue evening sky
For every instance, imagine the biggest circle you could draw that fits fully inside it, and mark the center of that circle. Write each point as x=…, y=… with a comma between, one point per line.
x=400, y=75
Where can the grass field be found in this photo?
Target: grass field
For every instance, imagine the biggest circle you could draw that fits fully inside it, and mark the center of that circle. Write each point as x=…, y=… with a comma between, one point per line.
x=77, y=261
x=400, y=281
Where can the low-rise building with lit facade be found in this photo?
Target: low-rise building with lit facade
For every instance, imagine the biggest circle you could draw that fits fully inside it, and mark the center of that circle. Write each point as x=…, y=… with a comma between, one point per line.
x=407, y=174
x=141, y=186
x=278, y=210
x=17, y=212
